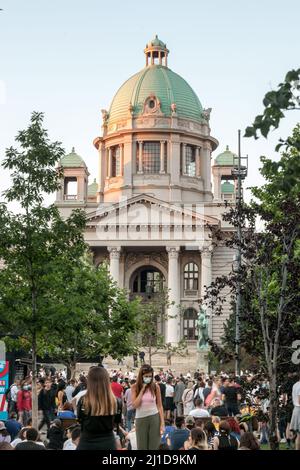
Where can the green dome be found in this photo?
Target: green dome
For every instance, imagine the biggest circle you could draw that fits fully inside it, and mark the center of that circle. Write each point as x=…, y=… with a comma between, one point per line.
x=156, y=42
x=72, y=160
x=226, y=158
x=227, y=187
x=93, y=188
x=165, y=84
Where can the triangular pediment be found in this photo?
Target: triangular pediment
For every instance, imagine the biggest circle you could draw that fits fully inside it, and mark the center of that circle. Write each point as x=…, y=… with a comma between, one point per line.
x=151, y=211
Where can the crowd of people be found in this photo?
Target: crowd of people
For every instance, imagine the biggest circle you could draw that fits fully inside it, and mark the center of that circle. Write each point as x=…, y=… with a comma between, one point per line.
x=147, y=411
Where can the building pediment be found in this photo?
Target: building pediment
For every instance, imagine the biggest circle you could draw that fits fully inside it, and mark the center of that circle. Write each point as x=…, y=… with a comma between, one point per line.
x=110, y=211
x=146, y=218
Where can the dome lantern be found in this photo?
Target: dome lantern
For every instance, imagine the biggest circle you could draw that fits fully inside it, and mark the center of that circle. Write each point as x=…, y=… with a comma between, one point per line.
x=156, y=50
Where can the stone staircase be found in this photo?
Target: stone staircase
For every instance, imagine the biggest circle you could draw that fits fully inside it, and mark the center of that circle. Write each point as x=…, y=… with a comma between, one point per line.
x=179, y=364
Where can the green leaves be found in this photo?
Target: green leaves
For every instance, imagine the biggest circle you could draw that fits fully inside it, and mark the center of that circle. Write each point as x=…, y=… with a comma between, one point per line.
x=285, y=98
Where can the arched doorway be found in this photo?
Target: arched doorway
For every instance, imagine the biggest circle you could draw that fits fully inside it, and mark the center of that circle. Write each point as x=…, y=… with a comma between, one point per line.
x=190, y=331
x=148, y=282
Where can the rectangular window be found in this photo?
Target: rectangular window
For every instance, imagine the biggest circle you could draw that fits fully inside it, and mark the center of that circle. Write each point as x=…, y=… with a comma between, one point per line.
x=151, y=157
x=190, y=161
x=115, y=161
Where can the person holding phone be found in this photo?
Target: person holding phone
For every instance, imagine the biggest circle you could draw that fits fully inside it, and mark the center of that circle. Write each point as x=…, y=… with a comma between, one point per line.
x=149, y=418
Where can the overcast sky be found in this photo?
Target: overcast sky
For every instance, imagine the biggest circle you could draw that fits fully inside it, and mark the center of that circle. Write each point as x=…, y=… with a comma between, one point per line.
x=68, y=58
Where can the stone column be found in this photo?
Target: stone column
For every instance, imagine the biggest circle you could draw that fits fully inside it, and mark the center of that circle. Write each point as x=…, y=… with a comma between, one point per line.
x=206, y=278
x=114, y=262
x=217, y=186
x=162, y=156
x=197, y=161
x=140, y=171
x=109, y=163
x=206, y=166
x=173, y=322
x=184, y=159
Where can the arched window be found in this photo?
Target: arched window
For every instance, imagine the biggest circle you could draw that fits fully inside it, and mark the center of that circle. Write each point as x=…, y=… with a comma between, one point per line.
x=190, y=331
x=148, y=281
x=191, y=277
x=190, y=161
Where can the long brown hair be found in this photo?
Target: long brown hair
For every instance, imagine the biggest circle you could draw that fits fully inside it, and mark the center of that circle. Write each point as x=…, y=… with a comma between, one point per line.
x=145, y=369
x=199, y=439
x=99, y=399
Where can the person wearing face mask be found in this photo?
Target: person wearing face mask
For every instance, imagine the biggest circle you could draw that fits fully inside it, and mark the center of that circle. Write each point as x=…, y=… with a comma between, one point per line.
x=149, y=418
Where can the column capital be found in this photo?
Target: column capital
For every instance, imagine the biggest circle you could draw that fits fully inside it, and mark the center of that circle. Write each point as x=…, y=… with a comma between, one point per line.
x=140, y=142
x=184, y=144
x=207, y=146
x=162, y=141
x=114, y=251
x=173, y=251
x=206, y=250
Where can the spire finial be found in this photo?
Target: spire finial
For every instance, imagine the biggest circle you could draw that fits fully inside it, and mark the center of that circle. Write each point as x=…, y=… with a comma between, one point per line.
x=227, y=147
x=73, y=149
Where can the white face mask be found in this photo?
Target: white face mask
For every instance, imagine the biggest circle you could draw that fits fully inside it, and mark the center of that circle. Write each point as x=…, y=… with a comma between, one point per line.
x=147, y=380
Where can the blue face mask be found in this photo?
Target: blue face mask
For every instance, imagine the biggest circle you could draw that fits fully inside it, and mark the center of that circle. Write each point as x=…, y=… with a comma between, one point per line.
x=147, y=380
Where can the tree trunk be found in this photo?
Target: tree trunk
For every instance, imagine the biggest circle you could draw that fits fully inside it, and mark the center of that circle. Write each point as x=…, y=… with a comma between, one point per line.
x=34, y=395
x=273, y=412
x=72, y=370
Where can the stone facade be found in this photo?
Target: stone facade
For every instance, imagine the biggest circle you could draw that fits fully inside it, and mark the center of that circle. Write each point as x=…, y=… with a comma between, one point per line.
x=151, y=216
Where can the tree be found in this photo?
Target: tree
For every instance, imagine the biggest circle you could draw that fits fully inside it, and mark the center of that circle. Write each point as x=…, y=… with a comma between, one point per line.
x=153, y=312
x=99, y=319
x=271, y=265
x=35, y=245
x=286, y=98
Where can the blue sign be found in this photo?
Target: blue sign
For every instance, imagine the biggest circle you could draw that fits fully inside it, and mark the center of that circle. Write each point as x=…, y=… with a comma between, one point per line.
x=4, y=384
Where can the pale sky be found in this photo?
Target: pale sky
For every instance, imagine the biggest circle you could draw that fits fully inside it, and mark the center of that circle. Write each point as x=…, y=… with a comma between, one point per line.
x=68, y=58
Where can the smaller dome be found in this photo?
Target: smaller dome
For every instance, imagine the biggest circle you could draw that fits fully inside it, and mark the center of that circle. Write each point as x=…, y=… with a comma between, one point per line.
x=226, y=158
x=156, y=42
x=227, y=187
x=93, y=188
x=72, y=160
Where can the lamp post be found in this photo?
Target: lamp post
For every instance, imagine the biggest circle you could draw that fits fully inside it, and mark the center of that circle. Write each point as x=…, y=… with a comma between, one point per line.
x=239, y=172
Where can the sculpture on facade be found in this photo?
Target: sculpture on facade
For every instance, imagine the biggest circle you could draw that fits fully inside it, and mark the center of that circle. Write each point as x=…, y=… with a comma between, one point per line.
x=105, y=116
x=202, y=326
x=206, y=114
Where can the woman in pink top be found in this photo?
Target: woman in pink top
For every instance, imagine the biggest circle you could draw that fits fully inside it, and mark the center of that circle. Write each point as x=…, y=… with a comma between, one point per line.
x=149, y=418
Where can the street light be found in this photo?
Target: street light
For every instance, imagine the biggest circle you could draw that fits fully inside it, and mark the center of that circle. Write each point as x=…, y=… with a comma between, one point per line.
x=239, y=172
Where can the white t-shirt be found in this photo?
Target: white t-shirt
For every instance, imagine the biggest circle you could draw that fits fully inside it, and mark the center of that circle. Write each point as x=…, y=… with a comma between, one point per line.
x=296, y=393
x=169, y=391
x=199, y=413
x=14, y=392
x=69, y=390
x=69, y=445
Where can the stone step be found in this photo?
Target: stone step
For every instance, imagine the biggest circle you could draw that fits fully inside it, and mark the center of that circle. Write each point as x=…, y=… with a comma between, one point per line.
x=180, y=364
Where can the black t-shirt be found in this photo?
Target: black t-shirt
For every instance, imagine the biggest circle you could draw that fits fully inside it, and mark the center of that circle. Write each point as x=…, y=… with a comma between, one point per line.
x=93, y=426
x=29, y=445
x=219, y=411
x=231, y=393
x=162, y=391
